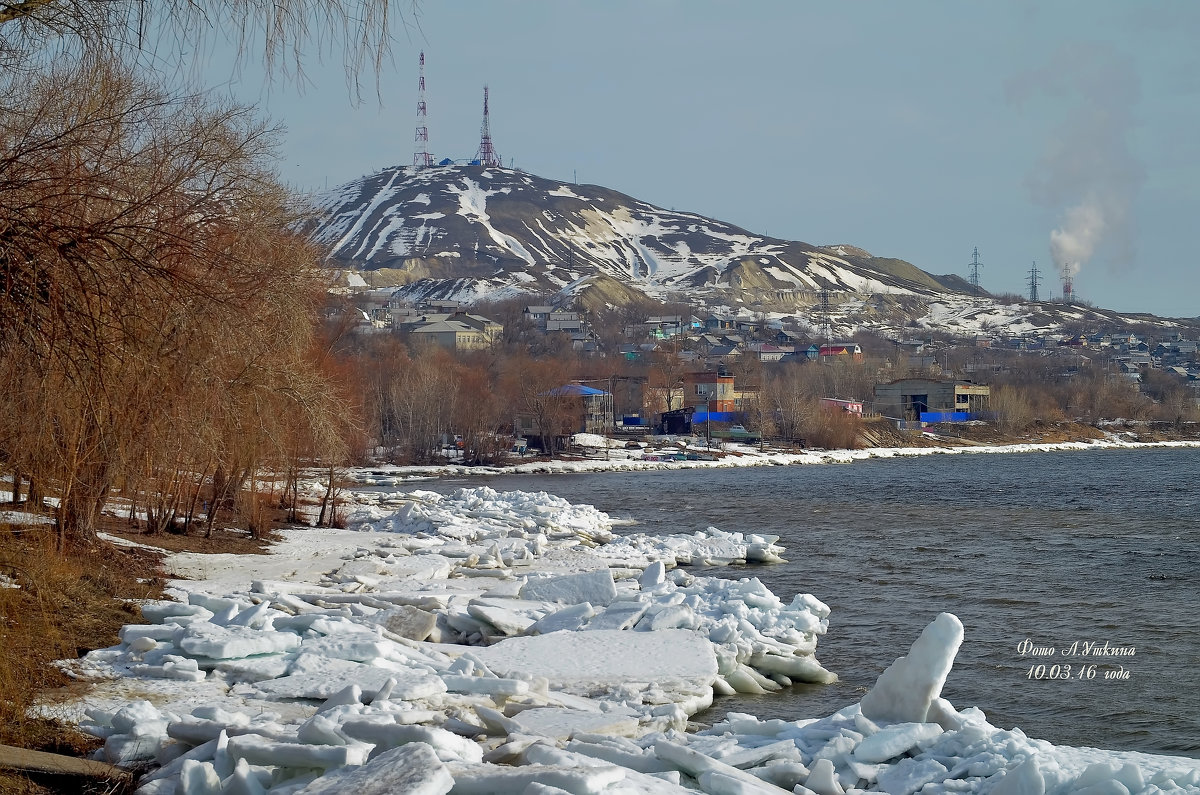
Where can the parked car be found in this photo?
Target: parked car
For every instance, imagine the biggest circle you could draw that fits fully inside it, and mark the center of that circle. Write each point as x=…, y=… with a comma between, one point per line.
x=737, y=433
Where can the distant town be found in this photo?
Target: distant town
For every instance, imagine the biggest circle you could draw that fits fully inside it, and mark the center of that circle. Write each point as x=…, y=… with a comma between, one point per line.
x=635, y=371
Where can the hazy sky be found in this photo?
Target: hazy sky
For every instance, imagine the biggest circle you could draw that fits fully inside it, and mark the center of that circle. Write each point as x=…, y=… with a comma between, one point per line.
x=917, y=130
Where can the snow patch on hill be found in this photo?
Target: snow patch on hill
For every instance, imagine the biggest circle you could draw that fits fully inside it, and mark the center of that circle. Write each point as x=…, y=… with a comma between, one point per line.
x=473, y=206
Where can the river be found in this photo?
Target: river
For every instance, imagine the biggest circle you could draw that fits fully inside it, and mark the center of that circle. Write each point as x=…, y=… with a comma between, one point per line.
x=1033, y=552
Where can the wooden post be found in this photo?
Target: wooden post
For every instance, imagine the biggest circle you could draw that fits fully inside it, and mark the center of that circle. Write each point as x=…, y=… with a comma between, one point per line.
x=22, y=759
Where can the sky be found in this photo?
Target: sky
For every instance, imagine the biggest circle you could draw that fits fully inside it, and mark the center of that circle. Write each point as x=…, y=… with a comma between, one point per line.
x=1062, y=133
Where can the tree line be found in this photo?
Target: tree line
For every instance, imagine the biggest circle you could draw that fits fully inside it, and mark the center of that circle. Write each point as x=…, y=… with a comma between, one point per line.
x=157, y=305
x=418, y=396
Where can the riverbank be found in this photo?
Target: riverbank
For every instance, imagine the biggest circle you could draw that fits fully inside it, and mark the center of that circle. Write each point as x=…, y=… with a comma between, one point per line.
x=353, y=657
x=429, y=516
x=593, y=453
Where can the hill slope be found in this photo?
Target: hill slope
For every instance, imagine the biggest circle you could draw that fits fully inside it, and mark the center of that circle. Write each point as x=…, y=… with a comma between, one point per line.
x=470, y=233
x=466, y=232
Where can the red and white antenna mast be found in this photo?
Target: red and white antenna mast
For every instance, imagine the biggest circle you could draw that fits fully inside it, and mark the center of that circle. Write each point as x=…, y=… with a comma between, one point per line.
x=487, y=153
x=1068, y=284
x=422, y=158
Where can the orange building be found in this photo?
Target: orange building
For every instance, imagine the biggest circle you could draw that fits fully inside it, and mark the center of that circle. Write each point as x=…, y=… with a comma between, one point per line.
x=711, y=391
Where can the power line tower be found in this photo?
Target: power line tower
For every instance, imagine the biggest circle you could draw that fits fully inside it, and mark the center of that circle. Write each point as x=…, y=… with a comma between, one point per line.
x=975, y=265
x=487, y=155
x=1068, y=283
x=827, y=321
x=421, y=156
x=1033, y=282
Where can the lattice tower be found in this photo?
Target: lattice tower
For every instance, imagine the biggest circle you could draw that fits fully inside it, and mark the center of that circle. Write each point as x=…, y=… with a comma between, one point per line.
x=974, y=265
x=421, y=157
x=487, y=155
x=1033, y=282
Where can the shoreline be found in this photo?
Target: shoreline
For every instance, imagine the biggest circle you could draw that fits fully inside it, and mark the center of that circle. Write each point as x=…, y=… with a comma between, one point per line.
x=315, y=640
x=735, y=455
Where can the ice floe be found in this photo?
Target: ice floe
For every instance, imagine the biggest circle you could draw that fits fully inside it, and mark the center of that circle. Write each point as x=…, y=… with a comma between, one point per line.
x=509, y=642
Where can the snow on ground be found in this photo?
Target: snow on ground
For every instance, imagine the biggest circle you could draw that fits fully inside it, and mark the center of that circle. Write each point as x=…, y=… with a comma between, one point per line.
x=473, y=206
x=971, y=315
x=495, y=642
x=22, y=517
x=687, y=452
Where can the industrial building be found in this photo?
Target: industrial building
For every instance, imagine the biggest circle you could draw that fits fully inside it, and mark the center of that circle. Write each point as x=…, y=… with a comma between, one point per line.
x=932, y=400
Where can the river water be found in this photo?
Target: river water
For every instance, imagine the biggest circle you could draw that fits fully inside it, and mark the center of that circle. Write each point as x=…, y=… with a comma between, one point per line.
x=1040, y=550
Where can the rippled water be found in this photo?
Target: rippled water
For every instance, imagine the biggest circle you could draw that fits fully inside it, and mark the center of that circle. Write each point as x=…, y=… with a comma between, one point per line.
x=1091, y=546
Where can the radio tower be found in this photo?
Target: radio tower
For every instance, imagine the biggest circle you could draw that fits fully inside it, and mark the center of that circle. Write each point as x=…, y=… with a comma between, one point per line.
x=973, y=274
x=422, y=158
x=487, y=153
x=1033, y=282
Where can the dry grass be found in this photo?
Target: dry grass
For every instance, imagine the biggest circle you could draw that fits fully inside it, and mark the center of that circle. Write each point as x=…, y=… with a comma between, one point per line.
x=833, y=429
x=231, y=540
x=66, y=606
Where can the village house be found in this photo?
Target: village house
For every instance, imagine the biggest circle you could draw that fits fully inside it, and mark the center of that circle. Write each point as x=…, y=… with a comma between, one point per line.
x=630, y=399
x=719, y=354
x=851, y=349
x=460, y=330
x=668, y=326
x=564, y=321
x=769, y=353
x=849, y=406
x=710, y=391
x=576, y=408
x=747, y=397
x=538, y=315
x=714, y=323
x=788, y=338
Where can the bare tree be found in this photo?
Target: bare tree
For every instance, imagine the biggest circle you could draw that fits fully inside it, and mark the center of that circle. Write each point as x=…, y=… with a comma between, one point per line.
x=1014, y=409
x=176, y=33
x=667, y=370
x=146, y=256
x=479, y=415
x=536, y=390
x=790, y=397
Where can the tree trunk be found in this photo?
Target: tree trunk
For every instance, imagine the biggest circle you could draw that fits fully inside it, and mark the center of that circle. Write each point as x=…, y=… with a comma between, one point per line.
x=252, y=510
x=76, y=519
x=327, y=503
x=220, y=485
x=190, y=516
x=34, y=496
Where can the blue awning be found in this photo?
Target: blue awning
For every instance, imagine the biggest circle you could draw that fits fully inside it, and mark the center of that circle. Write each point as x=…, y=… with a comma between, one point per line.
x=575, y=389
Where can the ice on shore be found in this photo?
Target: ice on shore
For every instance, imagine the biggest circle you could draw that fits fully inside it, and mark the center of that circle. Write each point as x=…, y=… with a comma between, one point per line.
x=499, y=643
x=909, y=689
x=729, y=455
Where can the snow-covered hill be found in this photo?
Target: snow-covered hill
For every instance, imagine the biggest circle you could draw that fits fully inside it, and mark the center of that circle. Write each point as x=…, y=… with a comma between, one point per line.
x=468, y=232
x=471, y=233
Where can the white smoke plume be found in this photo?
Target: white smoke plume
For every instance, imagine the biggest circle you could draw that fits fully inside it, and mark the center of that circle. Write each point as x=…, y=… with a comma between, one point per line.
x=1088, y=176
x=1074, y=243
